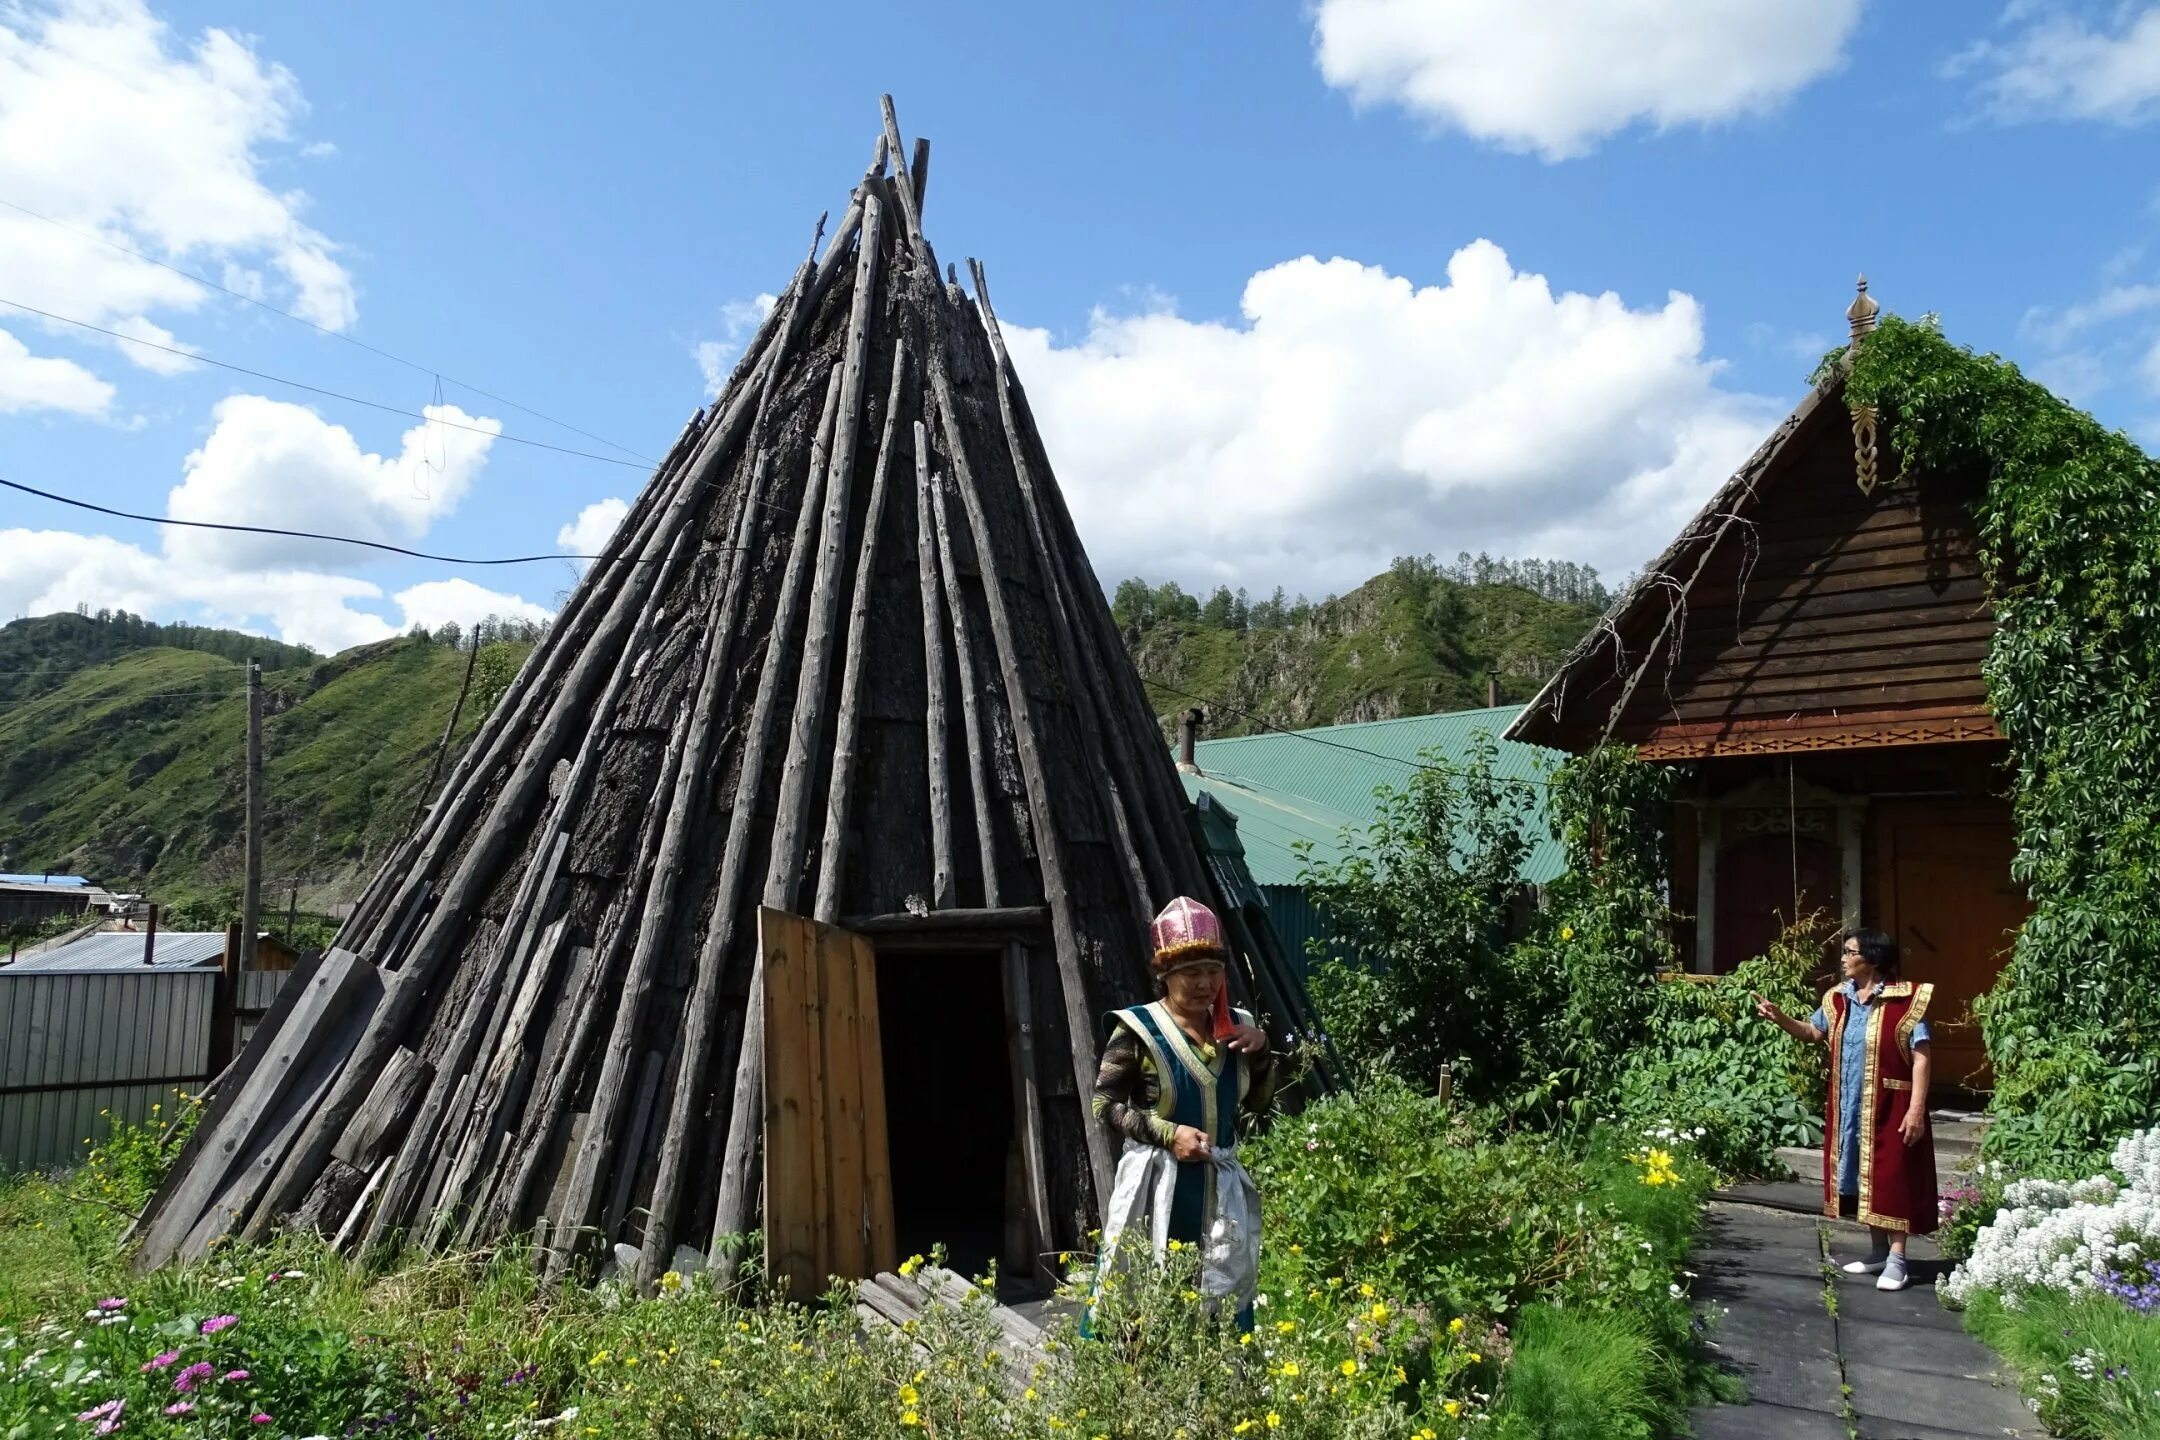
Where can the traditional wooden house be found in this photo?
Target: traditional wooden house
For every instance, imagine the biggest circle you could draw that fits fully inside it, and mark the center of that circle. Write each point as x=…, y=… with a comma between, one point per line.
x=787, y=886
x=1810, y=649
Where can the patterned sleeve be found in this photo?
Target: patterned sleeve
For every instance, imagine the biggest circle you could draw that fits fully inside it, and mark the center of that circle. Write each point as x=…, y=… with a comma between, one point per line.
x=1122, y=1083
x=1261, y=1093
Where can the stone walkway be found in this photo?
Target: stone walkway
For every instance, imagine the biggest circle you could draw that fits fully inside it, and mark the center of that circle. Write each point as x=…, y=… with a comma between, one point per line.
x=1825, y=1355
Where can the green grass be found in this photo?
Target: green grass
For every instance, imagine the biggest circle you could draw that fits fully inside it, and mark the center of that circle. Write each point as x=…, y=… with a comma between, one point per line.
x=2055, y=1338
x=1581, y=1374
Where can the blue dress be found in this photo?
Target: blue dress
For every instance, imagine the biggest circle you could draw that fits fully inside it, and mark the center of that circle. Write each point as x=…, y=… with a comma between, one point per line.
x=1852, y=1080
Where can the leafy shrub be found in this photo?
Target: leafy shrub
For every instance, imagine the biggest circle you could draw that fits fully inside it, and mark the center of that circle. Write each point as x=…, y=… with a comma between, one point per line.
x=1422, y=899
x=1394, y=1189
x=1706, y=1062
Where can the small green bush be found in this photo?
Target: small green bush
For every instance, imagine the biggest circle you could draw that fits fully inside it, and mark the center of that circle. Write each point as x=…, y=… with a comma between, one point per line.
x=1707, y=1063
x=1581, y=1375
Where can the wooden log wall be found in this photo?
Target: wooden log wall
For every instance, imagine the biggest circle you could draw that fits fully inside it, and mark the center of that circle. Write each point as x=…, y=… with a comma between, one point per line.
x=844, y=656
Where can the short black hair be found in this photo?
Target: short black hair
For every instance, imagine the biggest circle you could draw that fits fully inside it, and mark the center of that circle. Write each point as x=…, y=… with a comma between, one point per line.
x=1879, y=950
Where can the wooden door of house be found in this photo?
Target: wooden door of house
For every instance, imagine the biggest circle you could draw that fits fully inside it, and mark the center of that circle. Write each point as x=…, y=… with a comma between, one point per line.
x=1946, y=897
x=828, y=1174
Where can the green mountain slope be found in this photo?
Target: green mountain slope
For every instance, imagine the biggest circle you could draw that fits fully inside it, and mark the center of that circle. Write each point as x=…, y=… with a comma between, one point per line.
x=1414, y=641
x=40, y=653
x=130, y=771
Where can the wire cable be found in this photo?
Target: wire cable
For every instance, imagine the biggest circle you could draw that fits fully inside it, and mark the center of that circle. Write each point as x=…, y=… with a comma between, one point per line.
x=200, y=358
x=262, y=304
x=302, y=534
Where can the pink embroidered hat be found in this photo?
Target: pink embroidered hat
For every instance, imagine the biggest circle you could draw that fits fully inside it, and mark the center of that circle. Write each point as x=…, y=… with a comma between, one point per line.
x=1187, y=933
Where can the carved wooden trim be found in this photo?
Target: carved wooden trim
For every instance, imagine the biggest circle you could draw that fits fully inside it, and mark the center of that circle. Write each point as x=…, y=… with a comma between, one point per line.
x=1800, y=742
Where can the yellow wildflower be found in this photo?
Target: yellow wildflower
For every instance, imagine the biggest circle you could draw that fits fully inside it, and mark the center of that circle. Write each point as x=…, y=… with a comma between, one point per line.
x=1452, y=1407
x=1285, y=1327
x=1379, y=1314
x=1349, y=1367
x=1290, y=1369
x=1273, y=1420
x=1366, y=1291
x=1241, y=1427
x=1455, y=1326
x=909, y=1417
x=671, y=1282
x=1567, y=932
x=1475, y=1358
x=910, y=1265
x=909, y=1395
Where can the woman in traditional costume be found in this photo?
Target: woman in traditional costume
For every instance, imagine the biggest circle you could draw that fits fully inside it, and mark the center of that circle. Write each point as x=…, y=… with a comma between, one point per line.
x=1878, y=1153
x=1175, y=1076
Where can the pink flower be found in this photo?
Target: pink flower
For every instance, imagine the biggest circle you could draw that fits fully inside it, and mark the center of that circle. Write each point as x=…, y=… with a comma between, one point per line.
x=219, y=1322
x=159, y=1362
x=200, y=1370
x=112, y=1302
x=259, y=1419
x=234, y=1375
x=110, y=1410
x=180, y=1407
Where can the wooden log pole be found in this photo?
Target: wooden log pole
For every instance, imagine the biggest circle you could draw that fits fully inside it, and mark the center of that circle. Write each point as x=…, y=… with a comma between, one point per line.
x=580, y=1190
x=974, y=732
x=1027, y=738
x=839, y=795
x=1097, y=728
x=483, y=859
x=783, y=867
x=937, y=728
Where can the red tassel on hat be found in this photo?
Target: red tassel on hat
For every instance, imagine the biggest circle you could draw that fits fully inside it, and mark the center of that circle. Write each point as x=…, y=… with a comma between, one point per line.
x=1225, y=1022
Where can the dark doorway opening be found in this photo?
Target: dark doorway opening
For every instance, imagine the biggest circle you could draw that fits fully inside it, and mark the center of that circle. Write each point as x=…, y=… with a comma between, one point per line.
x=948, y=1102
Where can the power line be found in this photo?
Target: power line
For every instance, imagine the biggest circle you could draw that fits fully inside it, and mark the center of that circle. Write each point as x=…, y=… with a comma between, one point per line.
x=319, y=390
x=1308, y=736
x=292, y=534
x=318, y=329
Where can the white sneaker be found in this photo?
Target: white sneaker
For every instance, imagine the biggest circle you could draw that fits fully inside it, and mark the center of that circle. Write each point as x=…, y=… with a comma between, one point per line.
x=1894, y=1276
x=1871, y=1266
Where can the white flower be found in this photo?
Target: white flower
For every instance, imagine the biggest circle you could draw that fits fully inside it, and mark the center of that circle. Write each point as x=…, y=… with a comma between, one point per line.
x=2056, y=1236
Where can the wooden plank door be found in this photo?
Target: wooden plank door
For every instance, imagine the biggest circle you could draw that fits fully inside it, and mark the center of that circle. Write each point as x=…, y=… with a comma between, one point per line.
x=828, y=1176
x=1949, y=902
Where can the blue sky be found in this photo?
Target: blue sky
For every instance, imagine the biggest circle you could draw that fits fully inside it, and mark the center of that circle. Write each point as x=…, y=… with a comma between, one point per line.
x=1294, y=288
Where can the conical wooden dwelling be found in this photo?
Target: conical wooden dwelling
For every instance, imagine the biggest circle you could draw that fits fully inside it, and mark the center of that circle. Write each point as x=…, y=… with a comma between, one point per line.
x=844, y=660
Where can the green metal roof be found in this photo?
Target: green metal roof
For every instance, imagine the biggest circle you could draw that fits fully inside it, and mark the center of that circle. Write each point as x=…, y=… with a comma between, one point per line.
x=1308, y=785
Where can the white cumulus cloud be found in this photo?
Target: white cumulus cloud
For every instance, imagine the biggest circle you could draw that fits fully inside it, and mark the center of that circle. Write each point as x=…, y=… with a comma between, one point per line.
x=1554, y=77
x=1355, y=415
x=436, y=603
x=738, y=320
x=2101, y=63
x=269, y=463
x=272, y=463
x=116, y=128
x=44, y=382
x=589, y=533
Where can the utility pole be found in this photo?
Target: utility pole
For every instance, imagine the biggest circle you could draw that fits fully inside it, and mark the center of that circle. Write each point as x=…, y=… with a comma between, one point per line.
x=251, y=896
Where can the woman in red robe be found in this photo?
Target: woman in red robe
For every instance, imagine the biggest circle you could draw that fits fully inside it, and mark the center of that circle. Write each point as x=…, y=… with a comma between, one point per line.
x=1878, y=1154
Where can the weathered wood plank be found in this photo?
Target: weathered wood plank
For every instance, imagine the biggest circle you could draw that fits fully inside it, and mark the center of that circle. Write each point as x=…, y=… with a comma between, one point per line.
x=787, y=955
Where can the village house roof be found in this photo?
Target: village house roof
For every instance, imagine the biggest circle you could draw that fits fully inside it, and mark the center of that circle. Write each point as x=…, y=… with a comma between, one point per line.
x=123, y=950
x=1820, y=599
x=1309, y=786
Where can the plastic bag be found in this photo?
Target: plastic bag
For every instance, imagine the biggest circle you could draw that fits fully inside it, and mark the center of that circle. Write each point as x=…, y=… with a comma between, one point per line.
x=1140, y=1197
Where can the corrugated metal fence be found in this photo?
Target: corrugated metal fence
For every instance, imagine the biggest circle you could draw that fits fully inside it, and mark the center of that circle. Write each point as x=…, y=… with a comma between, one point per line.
x=81, y=1051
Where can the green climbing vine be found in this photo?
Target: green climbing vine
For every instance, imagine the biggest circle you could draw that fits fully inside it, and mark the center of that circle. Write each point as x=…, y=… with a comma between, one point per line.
x=2070, y=543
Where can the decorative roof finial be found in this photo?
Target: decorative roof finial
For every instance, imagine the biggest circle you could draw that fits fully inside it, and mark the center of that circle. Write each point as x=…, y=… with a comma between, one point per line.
x=1862, y=312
